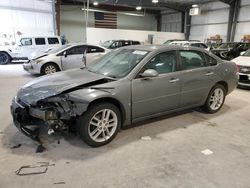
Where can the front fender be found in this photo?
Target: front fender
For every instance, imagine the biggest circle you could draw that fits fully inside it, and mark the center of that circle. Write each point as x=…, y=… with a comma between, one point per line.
x=120, y=94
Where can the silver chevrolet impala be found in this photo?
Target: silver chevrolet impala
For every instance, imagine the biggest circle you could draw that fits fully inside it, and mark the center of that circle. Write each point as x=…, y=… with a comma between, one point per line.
x=123, y=87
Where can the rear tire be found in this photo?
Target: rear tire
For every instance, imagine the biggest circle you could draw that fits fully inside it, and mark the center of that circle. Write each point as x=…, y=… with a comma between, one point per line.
x=99, y=125
x=4, y=58
x=49, y=68
x=215, y=99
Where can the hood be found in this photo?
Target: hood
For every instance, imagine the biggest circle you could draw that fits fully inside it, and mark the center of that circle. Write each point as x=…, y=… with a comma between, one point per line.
x=51, y=85
x=37, y=56
x=242, y=60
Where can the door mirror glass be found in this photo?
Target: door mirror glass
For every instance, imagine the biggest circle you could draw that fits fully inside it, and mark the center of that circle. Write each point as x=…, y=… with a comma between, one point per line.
x=149, y=73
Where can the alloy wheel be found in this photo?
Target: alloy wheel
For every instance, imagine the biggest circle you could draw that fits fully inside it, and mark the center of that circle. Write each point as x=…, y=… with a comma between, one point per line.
x=50, y=69
x=103, y=125
x=216, y=99
x=3, y=58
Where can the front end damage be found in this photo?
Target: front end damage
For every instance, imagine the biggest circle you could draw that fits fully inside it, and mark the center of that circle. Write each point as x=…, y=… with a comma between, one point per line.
x=51, y=102
x=54, y=114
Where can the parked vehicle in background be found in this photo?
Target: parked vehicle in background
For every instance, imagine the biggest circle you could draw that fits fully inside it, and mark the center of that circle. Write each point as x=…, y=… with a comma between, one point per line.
x=28, y=46
x=63, y=58
x=122, y=87
x=114, y=44
x=243, y=63
x=6, y=55
x=190, y=43
x=180, y=40
x=228, y=51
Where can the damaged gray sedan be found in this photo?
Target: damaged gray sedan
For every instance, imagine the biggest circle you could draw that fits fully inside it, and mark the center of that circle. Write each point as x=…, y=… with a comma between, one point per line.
x=123, y=87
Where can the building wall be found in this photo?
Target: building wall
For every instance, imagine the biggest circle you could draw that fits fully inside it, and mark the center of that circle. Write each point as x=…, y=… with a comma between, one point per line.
x=99, y=35
x=73, y=23
x=171, y=22
x=243, y=26
x=214, y=20
x=25, y=18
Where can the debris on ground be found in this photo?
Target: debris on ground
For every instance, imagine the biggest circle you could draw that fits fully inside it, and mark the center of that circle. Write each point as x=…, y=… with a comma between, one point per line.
x=40, y=148
x=16, y=146
x=59, y=183
x=207, y=152
x=58, y=141
x=146, y=138
x=40, y=168
x=1, y=132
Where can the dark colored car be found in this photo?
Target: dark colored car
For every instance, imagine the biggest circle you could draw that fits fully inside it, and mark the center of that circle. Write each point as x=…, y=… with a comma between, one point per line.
x=229, y=51
x=113, y=44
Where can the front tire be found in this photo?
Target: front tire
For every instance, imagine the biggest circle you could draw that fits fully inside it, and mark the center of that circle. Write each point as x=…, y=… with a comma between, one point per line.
x=215, y=99
x=49, y=68
x=4, y=58
x=99, y=125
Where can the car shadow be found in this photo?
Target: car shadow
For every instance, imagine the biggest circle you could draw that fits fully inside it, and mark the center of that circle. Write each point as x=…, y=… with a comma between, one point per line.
x=71, y=147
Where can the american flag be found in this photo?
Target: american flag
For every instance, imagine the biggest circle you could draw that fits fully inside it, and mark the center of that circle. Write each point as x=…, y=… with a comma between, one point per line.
x=105, y=20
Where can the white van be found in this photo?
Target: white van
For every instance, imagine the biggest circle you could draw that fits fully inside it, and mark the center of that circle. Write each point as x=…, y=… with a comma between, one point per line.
x=28, y=47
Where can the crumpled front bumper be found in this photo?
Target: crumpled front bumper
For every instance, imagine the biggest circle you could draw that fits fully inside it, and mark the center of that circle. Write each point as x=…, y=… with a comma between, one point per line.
x=31, y=67
x=23, y=121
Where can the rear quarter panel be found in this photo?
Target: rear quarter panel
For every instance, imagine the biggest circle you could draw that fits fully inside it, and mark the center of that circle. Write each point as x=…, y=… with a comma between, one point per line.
x=228, y=72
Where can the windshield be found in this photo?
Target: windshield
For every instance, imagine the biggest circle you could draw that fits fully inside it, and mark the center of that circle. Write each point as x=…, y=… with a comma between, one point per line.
x=57, y=49
x=107, y=43
x=247, y=53
x=117, y=64
x=227, y=45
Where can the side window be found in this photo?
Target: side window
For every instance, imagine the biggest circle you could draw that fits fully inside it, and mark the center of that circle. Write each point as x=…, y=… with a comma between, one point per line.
x=126, y=43
x=53, y=40
x=77, y=50
x=26, y=41
x=135, y=43
x=211, y=61
x=95, y=49
x=115, y=45
x=163, y=63
x=40, y=41
x=192, y=60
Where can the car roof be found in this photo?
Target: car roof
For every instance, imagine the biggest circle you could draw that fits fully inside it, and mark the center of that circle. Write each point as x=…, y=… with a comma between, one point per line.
x=161, y=47
x=52, y=36
x=79, y=44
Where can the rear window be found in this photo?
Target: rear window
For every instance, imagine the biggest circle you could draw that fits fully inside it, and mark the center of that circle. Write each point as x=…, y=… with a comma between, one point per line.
x=40, y=41
x=53, y=40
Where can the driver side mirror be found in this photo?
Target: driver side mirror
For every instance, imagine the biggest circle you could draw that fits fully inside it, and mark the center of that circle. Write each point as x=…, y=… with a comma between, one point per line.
x=149, y=73
x=65, y=54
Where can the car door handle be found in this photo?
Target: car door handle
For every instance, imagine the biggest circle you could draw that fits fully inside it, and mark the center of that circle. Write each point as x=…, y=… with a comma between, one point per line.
x=209, y=73
x=173, y=80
